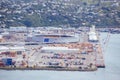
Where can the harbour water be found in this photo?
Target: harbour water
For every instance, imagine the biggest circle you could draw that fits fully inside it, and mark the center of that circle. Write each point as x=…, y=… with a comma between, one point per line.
x=111, y=72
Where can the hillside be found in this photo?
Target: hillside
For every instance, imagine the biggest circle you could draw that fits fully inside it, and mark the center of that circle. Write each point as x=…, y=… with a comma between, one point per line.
x=73, y=13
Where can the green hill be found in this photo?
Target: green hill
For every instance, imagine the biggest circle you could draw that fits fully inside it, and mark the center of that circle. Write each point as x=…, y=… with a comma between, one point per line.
x=75, y=13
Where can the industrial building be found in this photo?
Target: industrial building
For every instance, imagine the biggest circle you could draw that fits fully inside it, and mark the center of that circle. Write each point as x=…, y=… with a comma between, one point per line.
x=58, y=50
x=92, y=35
x=51, y=38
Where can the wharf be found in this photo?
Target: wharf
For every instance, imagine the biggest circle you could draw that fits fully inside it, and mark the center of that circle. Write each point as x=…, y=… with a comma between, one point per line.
x=86, y=59
x=48, y=68
x=72, y=56
x=99, y=57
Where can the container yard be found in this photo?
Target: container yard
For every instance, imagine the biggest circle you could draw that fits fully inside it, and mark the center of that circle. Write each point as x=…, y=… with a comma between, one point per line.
x=50, y=49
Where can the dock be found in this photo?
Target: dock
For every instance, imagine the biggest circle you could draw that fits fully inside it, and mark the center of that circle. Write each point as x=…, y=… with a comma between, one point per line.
x=61, y=55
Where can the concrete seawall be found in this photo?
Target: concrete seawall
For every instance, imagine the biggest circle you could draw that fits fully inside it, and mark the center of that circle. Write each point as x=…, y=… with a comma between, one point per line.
x=47, y=68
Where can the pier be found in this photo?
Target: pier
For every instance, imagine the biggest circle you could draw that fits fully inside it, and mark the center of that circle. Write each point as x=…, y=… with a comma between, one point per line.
x=62, y=56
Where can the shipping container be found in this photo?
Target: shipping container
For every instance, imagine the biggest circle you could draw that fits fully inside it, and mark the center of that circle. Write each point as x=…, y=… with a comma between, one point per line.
x=7, y=61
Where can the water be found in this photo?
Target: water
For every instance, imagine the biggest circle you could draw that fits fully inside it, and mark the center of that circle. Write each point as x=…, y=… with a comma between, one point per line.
x=111, y=72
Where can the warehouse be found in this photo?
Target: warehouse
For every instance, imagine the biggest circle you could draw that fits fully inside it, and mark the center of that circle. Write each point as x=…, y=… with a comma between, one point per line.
x=58, y=50
x=51, y=38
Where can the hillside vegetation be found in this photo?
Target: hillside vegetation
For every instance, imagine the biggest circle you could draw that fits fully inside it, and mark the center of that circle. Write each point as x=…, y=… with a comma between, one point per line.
x=68, y=13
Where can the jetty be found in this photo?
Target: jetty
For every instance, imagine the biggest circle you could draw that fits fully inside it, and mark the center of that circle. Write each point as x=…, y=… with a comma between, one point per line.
x=52, y=49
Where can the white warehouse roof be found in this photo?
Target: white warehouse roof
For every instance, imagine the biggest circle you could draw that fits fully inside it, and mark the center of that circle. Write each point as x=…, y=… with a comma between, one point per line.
x=93, y=36
x=16, y=48
x=1, y=36
x=58, y=49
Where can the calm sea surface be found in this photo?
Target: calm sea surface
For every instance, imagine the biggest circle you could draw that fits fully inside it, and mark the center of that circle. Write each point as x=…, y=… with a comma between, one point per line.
x=111, y=72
